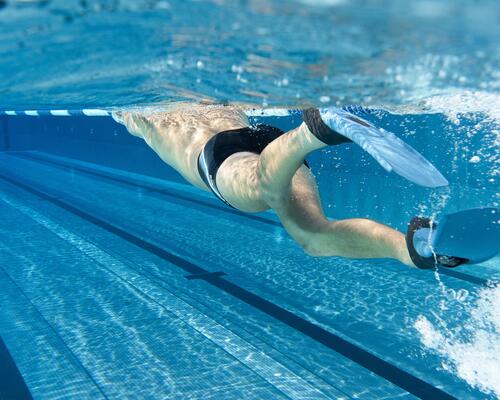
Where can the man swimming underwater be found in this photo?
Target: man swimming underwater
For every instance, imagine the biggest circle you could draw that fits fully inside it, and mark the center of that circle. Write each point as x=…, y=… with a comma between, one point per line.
x=255, y=168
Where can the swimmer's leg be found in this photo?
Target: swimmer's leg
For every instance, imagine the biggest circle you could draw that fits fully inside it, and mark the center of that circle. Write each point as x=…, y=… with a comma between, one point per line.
x=290, y=189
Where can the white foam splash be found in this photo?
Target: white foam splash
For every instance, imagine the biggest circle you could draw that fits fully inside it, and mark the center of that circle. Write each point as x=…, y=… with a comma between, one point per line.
x=443, y=83
x=472, y=351
x=465, y=101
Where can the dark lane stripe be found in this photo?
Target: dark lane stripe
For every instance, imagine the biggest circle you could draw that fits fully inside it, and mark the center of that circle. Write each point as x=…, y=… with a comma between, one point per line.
x=382, y=368
x=12, y=385
x=452, y=273
x=463, y=276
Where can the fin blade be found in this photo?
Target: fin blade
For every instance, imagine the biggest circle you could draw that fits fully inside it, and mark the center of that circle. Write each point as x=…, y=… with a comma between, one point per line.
x=473, y=234
x=386, y=148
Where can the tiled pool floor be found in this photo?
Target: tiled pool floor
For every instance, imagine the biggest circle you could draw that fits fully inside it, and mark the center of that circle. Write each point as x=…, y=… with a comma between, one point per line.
x=96, y=300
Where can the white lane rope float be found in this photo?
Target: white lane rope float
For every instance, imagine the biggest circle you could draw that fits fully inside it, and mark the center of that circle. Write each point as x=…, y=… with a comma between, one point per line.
x=98, y=112
x=88, y=112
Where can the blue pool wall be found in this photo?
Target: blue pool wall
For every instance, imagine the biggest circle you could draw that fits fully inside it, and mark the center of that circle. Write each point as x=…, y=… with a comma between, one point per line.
x=351, y=183
x=98, y=140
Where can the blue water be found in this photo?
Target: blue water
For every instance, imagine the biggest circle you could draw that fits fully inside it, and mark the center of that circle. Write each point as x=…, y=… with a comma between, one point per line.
x=98, y=235
x=122, y=52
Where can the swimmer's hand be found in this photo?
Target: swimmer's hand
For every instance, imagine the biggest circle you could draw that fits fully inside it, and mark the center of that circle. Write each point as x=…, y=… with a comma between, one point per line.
x=118, y=117
x=136, y=123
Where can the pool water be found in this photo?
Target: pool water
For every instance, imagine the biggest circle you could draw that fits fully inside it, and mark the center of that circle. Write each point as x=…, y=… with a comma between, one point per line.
x=119, y=280
x=69, y=53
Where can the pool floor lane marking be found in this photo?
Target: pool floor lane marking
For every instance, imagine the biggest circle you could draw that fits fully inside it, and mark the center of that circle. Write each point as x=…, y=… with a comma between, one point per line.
x=272, y=371
x=373, y=363
x=88, y=170
x=12, y=385
x=206, y=276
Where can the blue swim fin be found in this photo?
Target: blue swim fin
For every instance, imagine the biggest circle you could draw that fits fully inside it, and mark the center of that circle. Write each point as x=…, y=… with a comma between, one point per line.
x=469, y=236
x=335, y=126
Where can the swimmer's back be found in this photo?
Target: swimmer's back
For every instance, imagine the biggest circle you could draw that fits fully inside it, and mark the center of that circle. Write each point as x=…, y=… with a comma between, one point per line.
x=179, y=133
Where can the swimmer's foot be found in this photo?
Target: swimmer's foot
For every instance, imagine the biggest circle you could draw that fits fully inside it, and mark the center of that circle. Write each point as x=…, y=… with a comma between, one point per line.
x=419, y=240
x=335, y=126
x=322, y=131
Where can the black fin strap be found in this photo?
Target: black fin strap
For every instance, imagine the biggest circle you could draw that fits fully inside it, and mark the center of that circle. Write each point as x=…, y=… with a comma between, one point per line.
x=428, y=262
x=415, y=224
x=450, y=261
x=318, y=128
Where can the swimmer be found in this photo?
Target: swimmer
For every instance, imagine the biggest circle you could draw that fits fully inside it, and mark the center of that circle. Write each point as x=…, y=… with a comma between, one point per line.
x=256, y=168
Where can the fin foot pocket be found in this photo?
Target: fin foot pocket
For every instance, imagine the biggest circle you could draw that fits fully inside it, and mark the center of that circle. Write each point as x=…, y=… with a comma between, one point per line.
x=322, y=131
x=427, y=262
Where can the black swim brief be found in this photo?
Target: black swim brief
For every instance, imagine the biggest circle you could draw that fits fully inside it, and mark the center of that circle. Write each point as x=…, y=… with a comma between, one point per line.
x=253, y=139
